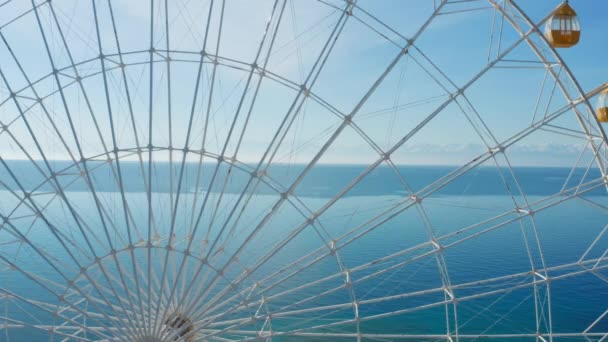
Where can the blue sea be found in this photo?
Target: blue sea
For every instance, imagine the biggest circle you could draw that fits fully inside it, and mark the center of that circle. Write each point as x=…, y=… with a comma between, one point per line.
x=473, y=218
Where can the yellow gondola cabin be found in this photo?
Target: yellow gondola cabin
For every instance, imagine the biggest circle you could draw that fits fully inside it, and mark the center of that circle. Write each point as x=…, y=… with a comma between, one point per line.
x=602, y=107
x=563, y=29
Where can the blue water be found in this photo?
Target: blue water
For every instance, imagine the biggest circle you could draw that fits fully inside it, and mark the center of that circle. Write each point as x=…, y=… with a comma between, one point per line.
x=321, y=181
x=565, y=232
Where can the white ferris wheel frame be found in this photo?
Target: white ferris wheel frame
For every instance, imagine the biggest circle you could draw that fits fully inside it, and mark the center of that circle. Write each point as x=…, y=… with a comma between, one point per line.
x=125, y=320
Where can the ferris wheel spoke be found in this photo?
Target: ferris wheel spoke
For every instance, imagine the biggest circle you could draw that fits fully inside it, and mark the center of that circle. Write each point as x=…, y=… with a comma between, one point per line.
x=478, y=124
x=171, y=158
x=36, y=217
x=52, y=228
x=149, y=166
x=169, y=103
x=249, y=111
x=130, y=303
x=22, y=242
x=96, y=125
x=38, y=212
x=48, y=259
x=59, y=189
x=121, y=313
x=592, y=325
x=44, y=283
x=39, y=99
x=119, y=171
x=492, y=32
x=134, y=264
x=238, y=111
x=50, y=329
x=83, y=159
x=595, y=241
x=436, y=10
x=122, y=66
x=273, y=35
x=24, y=13
x=178, y=277
x=125, y=302
x=194, y=223
x=53, y=177
x=194, y=226
x=78, y=81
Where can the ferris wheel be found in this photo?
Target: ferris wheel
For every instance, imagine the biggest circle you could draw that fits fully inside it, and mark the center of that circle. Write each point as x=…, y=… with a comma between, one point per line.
x=236, y=170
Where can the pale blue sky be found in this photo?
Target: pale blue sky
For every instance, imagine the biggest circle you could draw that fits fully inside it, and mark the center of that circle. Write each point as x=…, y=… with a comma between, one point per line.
x=457, y=44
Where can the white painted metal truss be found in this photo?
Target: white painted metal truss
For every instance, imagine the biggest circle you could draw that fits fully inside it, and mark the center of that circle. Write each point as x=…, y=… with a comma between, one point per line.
x=206, y=265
